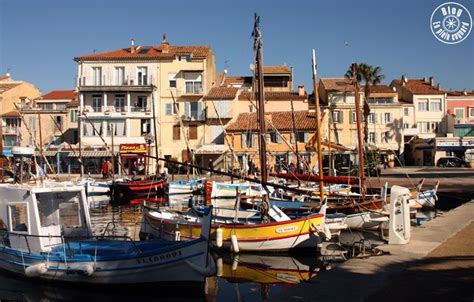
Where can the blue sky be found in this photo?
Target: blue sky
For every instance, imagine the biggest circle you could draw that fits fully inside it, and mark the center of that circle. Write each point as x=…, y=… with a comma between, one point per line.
x=39, y=38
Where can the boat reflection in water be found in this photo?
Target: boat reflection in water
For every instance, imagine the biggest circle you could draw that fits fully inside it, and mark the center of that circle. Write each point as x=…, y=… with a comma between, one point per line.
x=14, y=288
x=253, y=277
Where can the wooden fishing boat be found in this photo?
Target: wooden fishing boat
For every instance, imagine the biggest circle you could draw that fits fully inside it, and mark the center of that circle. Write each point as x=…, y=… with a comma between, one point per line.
x=185, y=186
x=256, y=236
x=46, y=234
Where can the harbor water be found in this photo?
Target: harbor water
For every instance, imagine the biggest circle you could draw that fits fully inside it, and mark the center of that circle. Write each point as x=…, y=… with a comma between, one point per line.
x=240, y=277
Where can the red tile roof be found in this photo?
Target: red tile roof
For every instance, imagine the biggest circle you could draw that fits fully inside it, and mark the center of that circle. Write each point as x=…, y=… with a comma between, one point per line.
x=278, y=69
x=5, y=77
x=337, y=84
x=4, y=86
x=460, y=93
x=73, y=103
x=418, y=86
x=232, y=80
x=13, y=113
x=380, y=89
x=219, y=93
x=275, y=96
x=60, y=95
x=147, y=52
x=304, y=120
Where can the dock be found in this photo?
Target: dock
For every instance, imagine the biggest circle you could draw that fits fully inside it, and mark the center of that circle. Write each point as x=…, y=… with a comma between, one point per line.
x=439, y=257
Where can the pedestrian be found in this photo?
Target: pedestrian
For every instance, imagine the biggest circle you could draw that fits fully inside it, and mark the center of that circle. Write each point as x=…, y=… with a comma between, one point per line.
x=105, y=169
x=210, y=166
x=110, y=168
x=134, y=168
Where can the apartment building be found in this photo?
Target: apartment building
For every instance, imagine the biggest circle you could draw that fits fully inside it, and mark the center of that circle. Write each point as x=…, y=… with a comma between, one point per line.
x=424, y=107
x=11, y=92
x=337, y=96
x=121, y=90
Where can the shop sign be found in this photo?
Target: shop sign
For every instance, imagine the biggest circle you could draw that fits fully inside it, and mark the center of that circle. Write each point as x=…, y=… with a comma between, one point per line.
x=456, y=143
x=133, y=148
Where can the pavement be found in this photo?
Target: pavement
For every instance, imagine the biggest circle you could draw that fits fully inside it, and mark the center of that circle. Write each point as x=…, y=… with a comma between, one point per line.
x=437, y=264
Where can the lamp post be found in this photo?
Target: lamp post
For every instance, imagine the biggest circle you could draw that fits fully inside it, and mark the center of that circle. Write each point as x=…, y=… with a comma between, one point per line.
x=148, y=139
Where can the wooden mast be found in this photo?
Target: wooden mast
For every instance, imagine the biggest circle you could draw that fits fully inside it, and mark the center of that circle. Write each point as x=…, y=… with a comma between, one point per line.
x=260, y=96
x=157, y=170
x=318, y=127
x=359, y=131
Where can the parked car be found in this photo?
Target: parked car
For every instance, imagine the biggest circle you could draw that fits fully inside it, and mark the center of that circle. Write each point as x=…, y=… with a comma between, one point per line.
x=451, y=161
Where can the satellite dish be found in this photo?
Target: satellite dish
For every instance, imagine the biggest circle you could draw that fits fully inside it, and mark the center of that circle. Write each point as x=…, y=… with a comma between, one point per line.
x=225, y=71
x=252, y=67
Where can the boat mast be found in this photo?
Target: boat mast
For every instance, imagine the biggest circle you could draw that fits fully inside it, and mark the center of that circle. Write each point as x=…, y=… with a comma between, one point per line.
x=318, y=128
x=296, y=138
x=359, y=131
x=157, y=171
x=260, y=96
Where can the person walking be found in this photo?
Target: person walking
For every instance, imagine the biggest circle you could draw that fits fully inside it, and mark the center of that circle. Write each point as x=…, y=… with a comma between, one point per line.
x=210, y=166
x=110, y=168
x=105, y=169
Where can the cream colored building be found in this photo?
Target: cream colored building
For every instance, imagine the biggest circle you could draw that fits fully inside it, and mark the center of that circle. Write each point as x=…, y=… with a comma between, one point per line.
x=424, y=108
x=11, y=92
x=126, y=87
x=384, y=122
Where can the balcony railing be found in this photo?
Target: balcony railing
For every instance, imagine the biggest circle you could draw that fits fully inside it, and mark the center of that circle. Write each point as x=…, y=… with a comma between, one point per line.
x=140, y=109
x=198, y=116
x=138, y=82
x=11, y=130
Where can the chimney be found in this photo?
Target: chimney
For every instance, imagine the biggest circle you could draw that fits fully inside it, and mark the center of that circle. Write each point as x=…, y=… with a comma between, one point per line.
x=301, y=91
x=464, y=92
x=404, y=80
x=425, y=79
x=432, y=81
x=132, y=45
x=164, y=45
x=438, y=87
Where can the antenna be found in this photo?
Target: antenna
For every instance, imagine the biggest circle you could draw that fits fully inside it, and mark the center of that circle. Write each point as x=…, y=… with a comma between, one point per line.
x=226, y=66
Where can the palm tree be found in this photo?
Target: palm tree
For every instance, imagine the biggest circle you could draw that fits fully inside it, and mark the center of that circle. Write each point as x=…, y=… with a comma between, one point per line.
x=371, y=76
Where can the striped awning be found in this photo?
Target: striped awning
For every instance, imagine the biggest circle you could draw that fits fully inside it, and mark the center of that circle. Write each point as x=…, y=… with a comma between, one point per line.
x=101, y=153
x=47, y=153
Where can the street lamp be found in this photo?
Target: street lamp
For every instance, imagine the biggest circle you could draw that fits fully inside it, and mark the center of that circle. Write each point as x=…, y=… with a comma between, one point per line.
x=148, y=139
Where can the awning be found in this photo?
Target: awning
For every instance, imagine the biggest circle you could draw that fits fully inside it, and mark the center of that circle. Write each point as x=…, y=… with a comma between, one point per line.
x=212, y=149
x=101, y=153
x=47, y=153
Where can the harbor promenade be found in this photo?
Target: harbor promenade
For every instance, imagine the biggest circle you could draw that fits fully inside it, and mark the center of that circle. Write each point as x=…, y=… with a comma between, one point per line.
x=436, y=265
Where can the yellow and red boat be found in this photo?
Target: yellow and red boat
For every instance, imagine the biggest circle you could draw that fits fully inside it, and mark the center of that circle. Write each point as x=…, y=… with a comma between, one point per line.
x=251, y=235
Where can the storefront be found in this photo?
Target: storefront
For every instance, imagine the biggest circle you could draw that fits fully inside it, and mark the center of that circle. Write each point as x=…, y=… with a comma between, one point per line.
x=453, y=146
x=133, y=158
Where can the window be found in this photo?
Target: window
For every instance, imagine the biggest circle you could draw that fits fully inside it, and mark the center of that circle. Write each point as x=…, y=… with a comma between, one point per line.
x=353, y=117
x=193, y=83
x=247, y=140
x=142, y=76
x=406, y=111
x=141, y=104
x=423, y=105
x=13, y=140
x=176, y=132
x=96, y=103
x=145, y=126
x=385, y=137
x=118, y=126
x=471, y=111
x=193, y=111
x=406, y=126
x=193, y=133
x=302, y=137
x=184, y=58
x=60, y=106
x=59, y=122
x=427, y=127
x=459, y=113
x=387, y=118
x=119, y=76
x=372, y=137
x=372, y=118
x=435, y=106
x=337, y=116
x=274, y=137
x=46, y=106
x=380, y=100
x=172, y=80
x=170, y=109
x=19, y=217
x=96, y=76
x=32, y=123
x=119, y=103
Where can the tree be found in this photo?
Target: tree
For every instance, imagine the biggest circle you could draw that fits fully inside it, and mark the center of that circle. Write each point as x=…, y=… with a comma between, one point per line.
x=371, y=76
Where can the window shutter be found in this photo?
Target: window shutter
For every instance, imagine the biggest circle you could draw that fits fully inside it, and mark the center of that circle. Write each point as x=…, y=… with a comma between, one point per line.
x=279, y=138
x=292, y=137
x=306, y=137
x=187, y=109
x=268, y=137
x=244, y=140
x=200, y=111
x=341, y=117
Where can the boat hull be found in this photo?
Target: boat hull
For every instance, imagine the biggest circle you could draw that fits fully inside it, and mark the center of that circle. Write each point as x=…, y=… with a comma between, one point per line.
x=261, y=237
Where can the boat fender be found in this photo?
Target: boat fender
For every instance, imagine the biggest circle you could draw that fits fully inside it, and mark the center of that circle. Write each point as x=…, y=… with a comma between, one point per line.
x=177, y=236
x=87, y=270
x=235, y=243
x=219, y=264
x=327, y=232
x=36, y=270
x=219, y=237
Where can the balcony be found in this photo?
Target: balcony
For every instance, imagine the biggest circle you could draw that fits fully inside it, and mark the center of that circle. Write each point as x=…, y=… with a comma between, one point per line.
x=194, y=116
x=131, y=85
x=140, y=109
x=411, y=131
